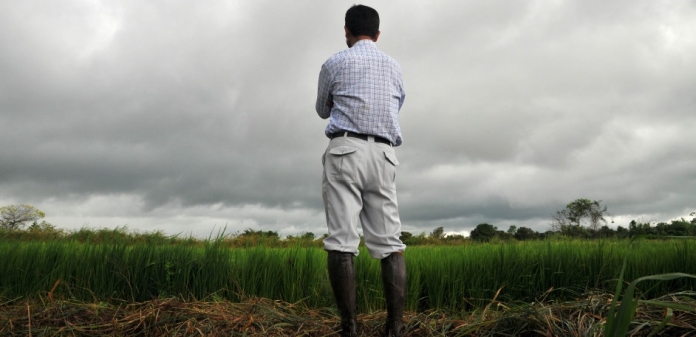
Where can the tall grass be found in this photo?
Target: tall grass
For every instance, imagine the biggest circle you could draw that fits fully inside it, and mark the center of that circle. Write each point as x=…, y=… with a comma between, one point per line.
x=443, y=277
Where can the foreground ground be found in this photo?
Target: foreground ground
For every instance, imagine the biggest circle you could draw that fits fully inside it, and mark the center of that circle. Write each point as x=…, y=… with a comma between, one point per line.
x=262, y=317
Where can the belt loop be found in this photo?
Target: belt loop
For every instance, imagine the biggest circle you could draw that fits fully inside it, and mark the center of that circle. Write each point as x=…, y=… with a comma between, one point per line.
x=345, y=133
x=370, y=139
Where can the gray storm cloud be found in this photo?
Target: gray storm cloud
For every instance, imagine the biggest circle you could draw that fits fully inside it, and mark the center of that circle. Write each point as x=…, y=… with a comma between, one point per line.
x=202, y=114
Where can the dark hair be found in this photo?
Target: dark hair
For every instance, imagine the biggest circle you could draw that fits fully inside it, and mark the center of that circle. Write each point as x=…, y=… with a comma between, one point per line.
x=362, y=20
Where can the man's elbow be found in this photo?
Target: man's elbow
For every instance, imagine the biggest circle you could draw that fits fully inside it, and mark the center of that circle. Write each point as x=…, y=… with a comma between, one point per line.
x=323, y=112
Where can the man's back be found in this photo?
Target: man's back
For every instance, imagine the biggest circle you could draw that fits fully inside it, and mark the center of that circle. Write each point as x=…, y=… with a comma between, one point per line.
x=365, y=87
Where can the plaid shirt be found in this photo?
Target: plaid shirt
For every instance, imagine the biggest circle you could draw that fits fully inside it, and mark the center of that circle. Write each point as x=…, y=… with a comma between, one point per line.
x=361, y=90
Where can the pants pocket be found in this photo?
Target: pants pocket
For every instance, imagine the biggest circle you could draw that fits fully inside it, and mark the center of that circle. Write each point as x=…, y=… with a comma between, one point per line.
x=342, y=163
x=389, y=173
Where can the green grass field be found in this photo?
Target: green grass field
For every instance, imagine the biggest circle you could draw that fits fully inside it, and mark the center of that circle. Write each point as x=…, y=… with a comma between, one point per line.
x=439, y=277
x=110, y=283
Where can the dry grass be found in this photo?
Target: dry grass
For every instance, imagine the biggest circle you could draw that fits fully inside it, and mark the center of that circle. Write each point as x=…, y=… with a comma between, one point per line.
x=263, y=317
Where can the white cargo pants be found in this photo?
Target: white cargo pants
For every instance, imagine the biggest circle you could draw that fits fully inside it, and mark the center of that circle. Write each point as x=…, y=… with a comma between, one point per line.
x=359, y=185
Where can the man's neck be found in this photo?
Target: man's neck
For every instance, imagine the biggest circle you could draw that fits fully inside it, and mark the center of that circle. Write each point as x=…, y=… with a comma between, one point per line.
x=353, y=40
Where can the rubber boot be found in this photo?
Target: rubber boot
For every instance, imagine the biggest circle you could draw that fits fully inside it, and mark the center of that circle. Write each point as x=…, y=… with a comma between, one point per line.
x=394, y=280
x=342, y=277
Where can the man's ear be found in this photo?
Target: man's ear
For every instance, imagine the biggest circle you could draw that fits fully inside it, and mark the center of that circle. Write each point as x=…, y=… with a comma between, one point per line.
x=376, y=37
x=347, y=31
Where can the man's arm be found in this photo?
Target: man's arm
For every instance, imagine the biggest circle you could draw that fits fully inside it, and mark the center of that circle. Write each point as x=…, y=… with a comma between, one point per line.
x=403, y=95
x=402, y=91
x=324, y=97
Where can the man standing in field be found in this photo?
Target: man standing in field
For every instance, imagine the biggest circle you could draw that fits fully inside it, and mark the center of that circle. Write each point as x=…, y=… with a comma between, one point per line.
x=361, y=92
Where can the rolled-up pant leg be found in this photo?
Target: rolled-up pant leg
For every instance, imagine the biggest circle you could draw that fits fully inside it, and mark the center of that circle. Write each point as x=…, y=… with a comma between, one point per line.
x=341, y=192
x=381, y=224
x=380, y=214
x=342, y=204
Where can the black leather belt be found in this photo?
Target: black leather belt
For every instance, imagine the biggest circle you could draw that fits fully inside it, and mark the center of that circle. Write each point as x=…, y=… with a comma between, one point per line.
x=361, y=136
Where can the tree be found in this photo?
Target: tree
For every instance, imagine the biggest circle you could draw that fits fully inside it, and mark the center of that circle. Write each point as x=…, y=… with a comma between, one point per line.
x=621, y=232
x=252, y=233
x=484, y=232
x=635, y=228
x=15, y=216
x=308, y=236
x=438, y=233
x=580, y=211
x=575, y=231
x=524, y=233
x=606, y=232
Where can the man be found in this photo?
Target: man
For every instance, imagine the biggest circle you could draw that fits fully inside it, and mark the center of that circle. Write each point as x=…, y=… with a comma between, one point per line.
x=361, y=92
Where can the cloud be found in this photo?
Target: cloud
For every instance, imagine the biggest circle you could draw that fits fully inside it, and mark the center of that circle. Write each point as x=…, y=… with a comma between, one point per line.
x=203, y=113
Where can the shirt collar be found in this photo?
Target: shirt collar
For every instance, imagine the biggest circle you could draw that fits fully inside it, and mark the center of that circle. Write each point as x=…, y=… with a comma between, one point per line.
x=366, y=42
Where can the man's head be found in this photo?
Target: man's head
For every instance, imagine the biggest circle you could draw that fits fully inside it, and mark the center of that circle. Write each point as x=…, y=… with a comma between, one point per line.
x=362, y=22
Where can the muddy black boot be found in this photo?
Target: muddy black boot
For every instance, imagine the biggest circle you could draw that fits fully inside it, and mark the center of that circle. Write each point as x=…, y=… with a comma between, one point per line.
x=342, y=277
x=394, y=280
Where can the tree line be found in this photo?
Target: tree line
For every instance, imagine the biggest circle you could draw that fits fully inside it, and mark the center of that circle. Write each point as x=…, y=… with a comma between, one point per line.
x=582, y=219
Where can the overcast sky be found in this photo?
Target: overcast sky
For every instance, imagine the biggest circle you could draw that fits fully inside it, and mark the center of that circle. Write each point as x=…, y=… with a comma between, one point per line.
x=192, y=116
